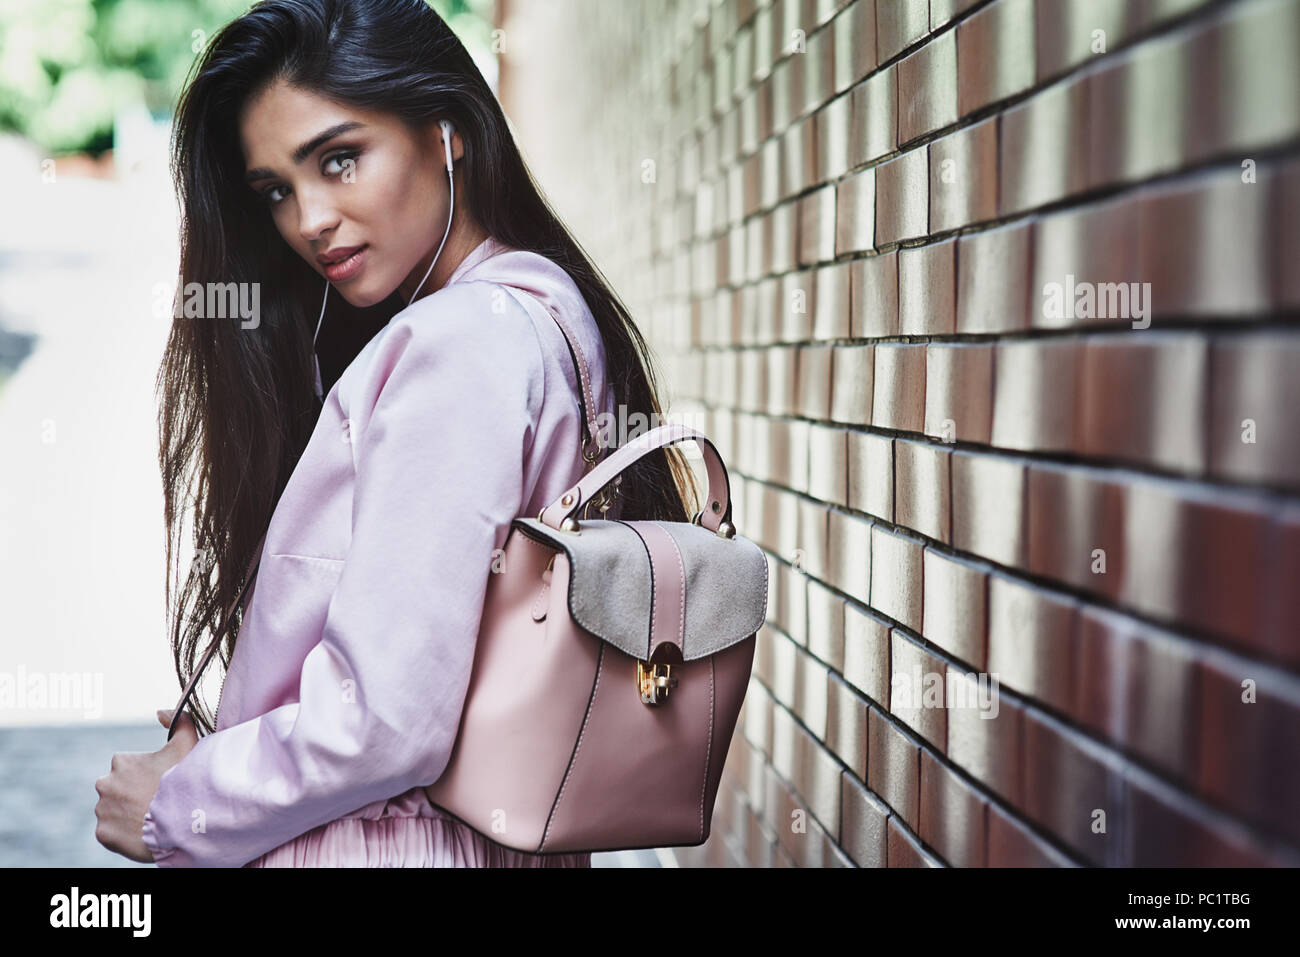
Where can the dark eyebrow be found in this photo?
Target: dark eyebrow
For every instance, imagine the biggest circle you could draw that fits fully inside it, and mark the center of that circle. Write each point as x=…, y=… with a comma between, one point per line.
x=306, y=149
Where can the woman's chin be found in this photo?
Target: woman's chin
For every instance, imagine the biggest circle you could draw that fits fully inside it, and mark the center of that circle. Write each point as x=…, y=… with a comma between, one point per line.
x=363, y=296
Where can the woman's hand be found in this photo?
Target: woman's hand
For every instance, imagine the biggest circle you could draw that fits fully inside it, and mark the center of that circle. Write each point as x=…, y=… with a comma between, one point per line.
x=130, y=785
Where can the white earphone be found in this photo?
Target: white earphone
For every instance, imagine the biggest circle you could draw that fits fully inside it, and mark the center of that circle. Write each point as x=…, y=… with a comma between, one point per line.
x=448, y=129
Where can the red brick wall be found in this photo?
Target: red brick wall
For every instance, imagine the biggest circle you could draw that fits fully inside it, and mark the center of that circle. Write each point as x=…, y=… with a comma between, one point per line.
x=837, y=221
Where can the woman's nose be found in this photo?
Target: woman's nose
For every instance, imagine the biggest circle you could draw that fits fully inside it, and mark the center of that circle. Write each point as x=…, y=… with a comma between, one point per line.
x=315, y=215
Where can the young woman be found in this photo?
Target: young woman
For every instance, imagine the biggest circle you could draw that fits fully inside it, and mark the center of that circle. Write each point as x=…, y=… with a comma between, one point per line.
x=311, y=159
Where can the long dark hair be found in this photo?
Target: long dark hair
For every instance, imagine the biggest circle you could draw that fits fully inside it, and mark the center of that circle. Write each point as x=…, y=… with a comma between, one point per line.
x=237, y=404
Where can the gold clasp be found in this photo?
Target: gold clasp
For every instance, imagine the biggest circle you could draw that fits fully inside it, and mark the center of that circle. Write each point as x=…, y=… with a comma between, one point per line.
x=653, y=685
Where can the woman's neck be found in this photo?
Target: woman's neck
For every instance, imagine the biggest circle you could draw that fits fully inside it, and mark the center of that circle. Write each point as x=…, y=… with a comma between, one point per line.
x=463, y=240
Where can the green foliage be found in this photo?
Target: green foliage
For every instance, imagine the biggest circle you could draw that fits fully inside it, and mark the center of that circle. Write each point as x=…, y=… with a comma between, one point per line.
x=68, y=66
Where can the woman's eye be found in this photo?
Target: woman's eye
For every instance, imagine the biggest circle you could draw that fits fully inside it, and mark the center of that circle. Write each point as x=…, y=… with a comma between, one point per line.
x=345, y=161
x=269, y=198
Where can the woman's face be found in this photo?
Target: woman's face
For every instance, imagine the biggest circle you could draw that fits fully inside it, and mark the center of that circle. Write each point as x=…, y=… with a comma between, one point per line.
x=336, y=178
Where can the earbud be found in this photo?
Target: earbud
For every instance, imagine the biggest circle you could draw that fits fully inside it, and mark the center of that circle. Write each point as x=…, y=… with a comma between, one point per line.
x=448, y=129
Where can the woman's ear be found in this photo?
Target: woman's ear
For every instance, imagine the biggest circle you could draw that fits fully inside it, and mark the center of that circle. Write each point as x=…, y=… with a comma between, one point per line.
x=435, y=136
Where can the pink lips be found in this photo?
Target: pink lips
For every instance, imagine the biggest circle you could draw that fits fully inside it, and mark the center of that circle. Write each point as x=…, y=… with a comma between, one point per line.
x=347, y=267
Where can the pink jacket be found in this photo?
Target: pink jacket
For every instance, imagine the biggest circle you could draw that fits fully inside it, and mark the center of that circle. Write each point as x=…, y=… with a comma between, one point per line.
x=351, y=668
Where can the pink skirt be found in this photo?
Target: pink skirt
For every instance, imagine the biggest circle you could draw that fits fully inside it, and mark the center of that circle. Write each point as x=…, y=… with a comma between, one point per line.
x=405, y=831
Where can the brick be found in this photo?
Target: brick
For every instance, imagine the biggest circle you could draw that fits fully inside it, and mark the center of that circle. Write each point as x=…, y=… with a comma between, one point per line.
x=1011, y=844
x=1249, y=735
x=867, y=655
x=1169, y=829
x=927, y=289
x=846, y=726
x=757, y=719
x=787, y=453
x=1203, y=247
x=1142, y=399
x=798, y=157
x=862, y=825
x=984, y=738
x=825, y=625
x=855, y=213
x=1051, y=123
x=902, y=210
x=831, y=302
x=852, y=383
x=1065, y=33
x=1145, y=14
x=904, y=851
x=1035, y=394
x=916, y=694
x=810, y=545
x=993, y=280
x=752, y=376
x=759, y=308
x=898, y=26
x=873, y=123
x=941, y=11
x=956, y=608
x=1137, y=106
x=995, y=54
x=781, y=252
x=1068, y=781
x=1135, y=685
x=923, y=487
x=1280, y=618
x=871, y=474
x=896, y=584
x=797, y=306
x=959, y=392
x=828, y=464
x=787, y=90
x=1198, y=557
x=988, y=507
x=855, y=43
x=1248, y=85
x=810, y=693
x=1286, y=239
x=767, y=41
x=898, y=401
x=782, y=807
x=927, y=88
x=814, y=378
x=817, y=780
x=784, y=682
x=770, y=173
x=1253, y=394
x=817, y=226
x=1075, y=527
x=1093, y=244
x=964, y=177
x=1031, y=640
x=953, y=815
x=893, y=766
x=819, y=69
x=874, y=296
x=849, y=544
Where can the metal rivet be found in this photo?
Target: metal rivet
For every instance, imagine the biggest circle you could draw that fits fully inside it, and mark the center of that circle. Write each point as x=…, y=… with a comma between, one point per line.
x=717, y=506
x=568, y=499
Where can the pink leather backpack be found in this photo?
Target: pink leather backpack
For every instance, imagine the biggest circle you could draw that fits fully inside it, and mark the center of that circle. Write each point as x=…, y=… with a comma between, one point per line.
x=613, y=657
x=611, y=664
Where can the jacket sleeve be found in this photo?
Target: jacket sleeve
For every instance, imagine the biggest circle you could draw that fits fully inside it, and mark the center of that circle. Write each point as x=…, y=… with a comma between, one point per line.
x=441, y=418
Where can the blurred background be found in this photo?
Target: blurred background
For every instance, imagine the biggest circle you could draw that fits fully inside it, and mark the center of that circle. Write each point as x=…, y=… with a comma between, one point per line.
x=867, y=240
